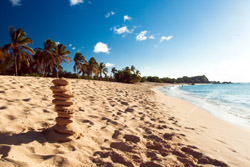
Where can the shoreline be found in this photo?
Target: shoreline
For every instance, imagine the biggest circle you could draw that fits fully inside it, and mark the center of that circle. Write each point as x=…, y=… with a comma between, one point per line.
x=214, y=136
x=240, y=125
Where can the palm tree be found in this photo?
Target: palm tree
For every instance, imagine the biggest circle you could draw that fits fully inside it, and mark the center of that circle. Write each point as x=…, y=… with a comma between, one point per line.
x=84, y=68
x=127, y=69
x=48, y=59
x=44, y=57
x=102, y=69
x=19, y=48
x=114, y=70
x=6, y=63
x=133, y=69
x=137, y=72
x=59, y=56
x=105, y=72
x=79, y=61
x=92, y=67
x=1, y=53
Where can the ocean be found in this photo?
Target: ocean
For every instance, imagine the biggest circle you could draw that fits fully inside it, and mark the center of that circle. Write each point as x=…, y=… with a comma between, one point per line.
x=230, y=102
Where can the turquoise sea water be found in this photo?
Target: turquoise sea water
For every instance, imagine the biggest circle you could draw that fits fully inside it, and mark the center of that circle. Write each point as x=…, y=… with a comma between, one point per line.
x=230, y=102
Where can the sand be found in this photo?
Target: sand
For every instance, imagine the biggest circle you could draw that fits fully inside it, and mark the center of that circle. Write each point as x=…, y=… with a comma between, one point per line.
x=121, y=125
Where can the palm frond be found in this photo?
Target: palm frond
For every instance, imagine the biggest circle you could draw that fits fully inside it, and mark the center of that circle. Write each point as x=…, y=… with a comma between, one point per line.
x=29, y=49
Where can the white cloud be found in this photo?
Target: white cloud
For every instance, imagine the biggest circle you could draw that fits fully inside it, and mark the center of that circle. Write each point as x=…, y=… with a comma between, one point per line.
x=16, y=2
x=109, y=64
x=70, y=45
x=74, y=48
x=75, y=2
x=109, y=14
x=142, y=36
x=101, y=48
x=164, y=38
x=121, y=30
x=126, y=17
x=57, y=43
x=151, y=37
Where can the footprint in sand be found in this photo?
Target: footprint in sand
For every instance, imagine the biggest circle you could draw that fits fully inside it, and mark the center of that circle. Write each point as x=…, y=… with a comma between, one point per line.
x=46, y=111
x=117, y=158
x=88, y=122
x=124, y=103
x=132, y=138
x=129, y=110
x=116, y=134
x=4, y=150
x=189, y=128
x=3, y=108
x=150, y=164
x=26, y=100
x=122, y=147
x=10, y=117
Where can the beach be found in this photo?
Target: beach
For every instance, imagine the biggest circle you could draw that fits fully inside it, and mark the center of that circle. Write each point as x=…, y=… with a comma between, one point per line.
x=121, y=125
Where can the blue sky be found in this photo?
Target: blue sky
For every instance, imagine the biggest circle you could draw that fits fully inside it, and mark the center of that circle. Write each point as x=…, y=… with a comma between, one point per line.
x=170, y=38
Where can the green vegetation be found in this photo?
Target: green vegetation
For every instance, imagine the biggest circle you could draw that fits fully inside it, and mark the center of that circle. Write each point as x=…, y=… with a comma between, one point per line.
x=189, y=80
x=18, y=58
x=127, y=75
x=19, y=49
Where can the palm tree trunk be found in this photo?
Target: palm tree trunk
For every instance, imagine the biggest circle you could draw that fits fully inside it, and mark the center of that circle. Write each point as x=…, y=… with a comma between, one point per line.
x=15, y=63
x=43, y=72
x=57, y=72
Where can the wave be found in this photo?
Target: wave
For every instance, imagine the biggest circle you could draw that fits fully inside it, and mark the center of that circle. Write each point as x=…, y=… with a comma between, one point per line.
x=229, y=107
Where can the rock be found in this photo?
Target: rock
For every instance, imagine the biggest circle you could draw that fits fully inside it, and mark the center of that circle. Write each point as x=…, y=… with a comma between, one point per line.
x=62, y=102
x=60, y=82
x=65, y=130
x=65, y=112
x=63, y=94
x=57, y=89
x=64, y=115
x=61, y=97
x=68, y=109
x=63, y=121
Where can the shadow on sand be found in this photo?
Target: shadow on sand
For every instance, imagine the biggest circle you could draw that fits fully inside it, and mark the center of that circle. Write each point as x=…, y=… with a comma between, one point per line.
x=44, y=136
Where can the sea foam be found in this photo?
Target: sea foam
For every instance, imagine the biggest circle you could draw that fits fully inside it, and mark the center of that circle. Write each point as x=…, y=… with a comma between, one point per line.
x=230, y=102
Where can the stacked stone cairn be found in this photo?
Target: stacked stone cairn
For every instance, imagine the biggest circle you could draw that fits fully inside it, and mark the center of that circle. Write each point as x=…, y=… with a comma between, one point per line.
x=65, y=128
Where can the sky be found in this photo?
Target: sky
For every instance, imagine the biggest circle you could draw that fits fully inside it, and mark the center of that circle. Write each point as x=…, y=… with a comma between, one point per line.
x=165, y=38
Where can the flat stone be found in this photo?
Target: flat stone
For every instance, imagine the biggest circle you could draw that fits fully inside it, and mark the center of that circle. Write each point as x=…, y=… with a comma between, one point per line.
x=65, y=115
x=62, y=102
x=60, y=82
x=63, y=121
x=63, y=94
x=61, y=97
x=64, y=129
x=67, y=109
x=57, y=89
x=62, y=112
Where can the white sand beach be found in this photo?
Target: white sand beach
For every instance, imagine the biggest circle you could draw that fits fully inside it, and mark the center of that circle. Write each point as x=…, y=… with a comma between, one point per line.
x=122, y=125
